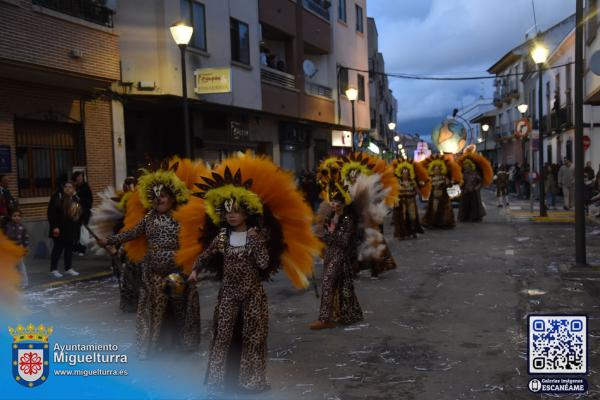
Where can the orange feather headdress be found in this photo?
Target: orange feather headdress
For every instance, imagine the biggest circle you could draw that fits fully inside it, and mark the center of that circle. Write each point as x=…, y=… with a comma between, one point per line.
x=417, y=172
x=10, y=254
x=363, y=163
x=484, y=168
x=284, y=212
x=447, y=166
x=188, y=172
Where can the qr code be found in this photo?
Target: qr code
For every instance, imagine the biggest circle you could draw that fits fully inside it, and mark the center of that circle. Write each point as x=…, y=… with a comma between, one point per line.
x=557, y=344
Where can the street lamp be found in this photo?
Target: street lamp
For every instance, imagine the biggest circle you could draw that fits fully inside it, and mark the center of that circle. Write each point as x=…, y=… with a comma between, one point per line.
x=352, y=95
x=522, y=108
x=392, y=126
x=540, y=54
x=181, y=35
x=396, y=138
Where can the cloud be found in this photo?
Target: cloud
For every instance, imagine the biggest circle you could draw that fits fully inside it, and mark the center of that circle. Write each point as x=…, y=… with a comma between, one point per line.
x=451, y=37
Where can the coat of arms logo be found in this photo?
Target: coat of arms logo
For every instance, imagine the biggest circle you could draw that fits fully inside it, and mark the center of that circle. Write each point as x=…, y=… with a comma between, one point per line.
x=30, y=354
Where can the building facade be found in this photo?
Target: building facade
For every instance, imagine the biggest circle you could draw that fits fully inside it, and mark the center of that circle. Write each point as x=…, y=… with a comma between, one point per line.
x=591, y=84
x=383, y=105
x=517, y=83
x=57, y=61
x=287, y=62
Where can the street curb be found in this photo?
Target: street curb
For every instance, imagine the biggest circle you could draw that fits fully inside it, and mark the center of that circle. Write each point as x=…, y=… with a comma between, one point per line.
x=591, y=272
x=98, y=275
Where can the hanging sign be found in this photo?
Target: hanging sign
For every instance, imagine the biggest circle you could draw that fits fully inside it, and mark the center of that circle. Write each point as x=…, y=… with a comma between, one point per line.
x=213, y=80
x=522, y=128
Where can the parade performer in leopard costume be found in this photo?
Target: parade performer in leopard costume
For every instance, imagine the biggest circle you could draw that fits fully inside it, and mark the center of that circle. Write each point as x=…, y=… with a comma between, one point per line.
x=353, y=166
x=443, y=172
x=413, y=179
x=168, y=313
x=252, y=219
x=477, y=173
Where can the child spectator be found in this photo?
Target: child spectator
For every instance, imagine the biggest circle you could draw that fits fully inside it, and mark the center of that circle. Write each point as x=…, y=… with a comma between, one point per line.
x=16, y=232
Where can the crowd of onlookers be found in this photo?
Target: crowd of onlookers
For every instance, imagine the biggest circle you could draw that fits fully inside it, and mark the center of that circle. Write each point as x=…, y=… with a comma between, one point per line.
x=559, y=180
x=69, y=209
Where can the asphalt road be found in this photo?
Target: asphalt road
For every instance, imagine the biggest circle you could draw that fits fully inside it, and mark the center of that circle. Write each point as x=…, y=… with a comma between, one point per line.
x=449, y=323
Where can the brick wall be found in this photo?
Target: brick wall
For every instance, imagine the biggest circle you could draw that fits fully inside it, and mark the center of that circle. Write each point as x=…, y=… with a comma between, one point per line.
x=29, y=36
x=32, y=100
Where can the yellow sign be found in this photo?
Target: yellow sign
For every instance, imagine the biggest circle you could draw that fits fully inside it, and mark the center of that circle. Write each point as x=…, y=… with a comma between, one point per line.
x=213, y=80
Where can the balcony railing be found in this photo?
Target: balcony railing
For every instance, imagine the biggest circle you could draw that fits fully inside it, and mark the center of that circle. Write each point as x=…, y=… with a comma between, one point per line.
x=319, y=7
x=315, y=89
x=277, y=77
x=89, y=10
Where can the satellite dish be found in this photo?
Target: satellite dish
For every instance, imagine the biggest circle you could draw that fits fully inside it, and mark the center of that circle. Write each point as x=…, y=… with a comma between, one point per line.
x=309, y=68
x=595, y=63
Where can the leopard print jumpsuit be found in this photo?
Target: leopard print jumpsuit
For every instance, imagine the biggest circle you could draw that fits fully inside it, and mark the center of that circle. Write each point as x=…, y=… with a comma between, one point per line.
x=241, y=314
x=338, y=300
x=158, y=313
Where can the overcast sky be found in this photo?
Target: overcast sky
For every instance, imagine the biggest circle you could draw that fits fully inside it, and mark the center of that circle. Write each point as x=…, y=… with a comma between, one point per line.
x=449, y=38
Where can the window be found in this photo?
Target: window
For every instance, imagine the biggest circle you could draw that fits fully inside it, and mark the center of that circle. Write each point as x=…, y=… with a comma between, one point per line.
x=240, y=41
x=343, y=79
x=359, y=19
x=193, y=13
x=361, y=87
x=342, y=10
x=46, y=154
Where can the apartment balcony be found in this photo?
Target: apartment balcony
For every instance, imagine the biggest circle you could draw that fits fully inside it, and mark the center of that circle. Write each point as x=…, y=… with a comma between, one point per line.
x=277, y=78
x=279, y=93
x=316, y=31
x=319, y=7
x=66, y=41
x=317, y=108
x=314, y=89
x=278, y=14
x=87, y=10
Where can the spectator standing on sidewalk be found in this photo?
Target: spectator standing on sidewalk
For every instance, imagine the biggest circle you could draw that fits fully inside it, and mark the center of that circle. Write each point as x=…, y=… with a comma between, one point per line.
x=84, y=193
x=7, y=201
x=550, y=185
x=566, y=180
x=17, y=232
x=588, y=180
x=518, y=177
x=502, y=186
x=64, y=211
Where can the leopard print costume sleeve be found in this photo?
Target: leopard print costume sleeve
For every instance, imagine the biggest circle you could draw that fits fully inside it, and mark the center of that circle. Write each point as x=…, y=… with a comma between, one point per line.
x=134, y=233
x=258, y=251
x=207, y=254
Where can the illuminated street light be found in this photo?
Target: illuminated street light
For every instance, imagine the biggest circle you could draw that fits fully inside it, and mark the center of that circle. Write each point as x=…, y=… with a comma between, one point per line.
x=392, y=126
x=396, y=138
x=522, y=108
x=181, y=35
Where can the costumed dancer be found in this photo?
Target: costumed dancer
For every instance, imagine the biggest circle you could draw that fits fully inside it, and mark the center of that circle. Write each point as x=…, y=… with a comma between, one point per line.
x=108, y=219
x=338, y=228
x=252, y=219
x=502, y=186
x=359, y=164
x=477, y=173
x=168, y=313
x=413, y=179
x=10, y=255
x=443, y=173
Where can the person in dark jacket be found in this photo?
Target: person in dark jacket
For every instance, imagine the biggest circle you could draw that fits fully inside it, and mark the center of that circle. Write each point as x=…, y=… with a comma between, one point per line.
x=84, y=193
x=64, y=211
x=7, y=201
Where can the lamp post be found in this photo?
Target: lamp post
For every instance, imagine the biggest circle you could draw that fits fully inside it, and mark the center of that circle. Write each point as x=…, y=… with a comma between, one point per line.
x=540, y=55
x=181, y=35
x=580, y=245
x=523, y=109
x=352, y=95
x=485, y=128
x=391, y=127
